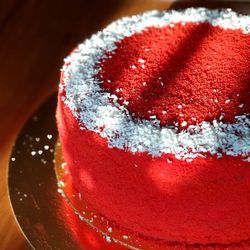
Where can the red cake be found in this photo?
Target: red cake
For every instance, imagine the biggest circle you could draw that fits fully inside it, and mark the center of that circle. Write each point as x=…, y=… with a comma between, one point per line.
x=153, y=117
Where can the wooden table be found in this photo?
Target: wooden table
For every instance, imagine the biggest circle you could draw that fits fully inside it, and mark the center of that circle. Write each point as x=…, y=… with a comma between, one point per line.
x=35, y=36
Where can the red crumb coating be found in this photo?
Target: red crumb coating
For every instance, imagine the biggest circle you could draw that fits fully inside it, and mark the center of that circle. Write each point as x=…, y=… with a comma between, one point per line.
x=205, y=201
x=194, y=72
x=201, y=202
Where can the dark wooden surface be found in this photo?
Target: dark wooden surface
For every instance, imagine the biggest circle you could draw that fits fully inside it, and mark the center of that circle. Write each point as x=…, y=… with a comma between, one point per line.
x=35, y=36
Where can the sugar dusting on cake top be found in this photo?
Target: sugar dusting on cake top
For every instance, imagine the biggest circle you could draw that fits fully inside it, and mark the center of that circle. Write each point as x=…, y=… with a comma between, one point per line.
x=172, y=82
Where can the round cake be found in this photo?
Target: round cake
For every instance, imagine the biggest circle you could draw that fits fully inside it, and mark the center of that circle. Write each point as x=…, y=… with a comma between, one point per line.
x=153, y=117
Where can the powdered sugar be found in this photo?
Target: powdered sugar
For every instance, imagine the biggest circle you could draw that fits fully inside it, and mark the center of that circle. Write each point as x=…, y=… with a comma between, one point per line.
x=100, y=112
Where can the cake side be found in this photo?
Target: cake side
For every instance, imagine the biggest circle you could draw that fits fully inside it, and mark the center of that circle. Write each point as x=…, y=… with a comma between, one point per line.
x=198, y=202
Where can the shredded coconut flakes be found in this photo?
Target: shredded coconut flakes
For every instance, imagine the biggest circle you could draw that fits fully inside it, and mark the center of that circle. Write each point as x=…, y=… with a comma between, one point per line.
x=96, y=112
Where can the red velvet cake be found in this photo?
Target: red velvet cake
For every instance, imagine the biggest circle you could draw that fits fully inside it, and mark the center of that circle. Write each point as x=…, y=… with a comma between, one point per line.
x=153, y=117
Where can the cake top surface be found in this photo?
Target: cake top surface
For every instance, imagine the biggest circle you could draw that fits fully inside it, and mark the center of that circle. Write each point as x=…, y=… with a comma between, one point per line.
x=173, y=82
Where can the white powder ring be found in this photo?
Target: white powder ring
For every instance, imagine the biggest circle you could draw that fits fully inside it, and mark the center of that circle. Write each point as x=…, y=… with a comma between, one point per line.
x=95, y=112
